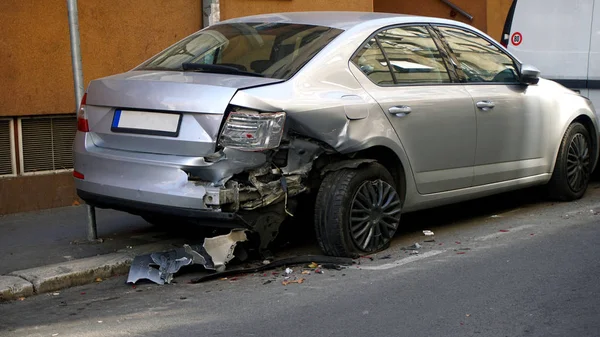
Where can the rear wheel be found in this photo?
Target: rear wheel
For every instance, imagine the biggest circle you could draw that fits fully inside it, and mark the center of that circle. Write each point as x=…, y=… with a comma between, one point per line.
x=572, y=170
x=357, y=211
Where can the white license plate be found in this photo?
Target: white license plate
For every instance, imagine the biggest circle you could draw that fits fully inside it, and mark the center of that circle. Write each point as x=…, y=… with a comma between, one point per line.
x=145, y=122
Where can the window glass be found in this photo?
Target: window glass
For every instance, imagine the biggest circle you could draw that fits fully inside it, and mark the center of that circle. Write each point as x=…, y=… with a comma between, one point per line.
x=276, y=50
x=480, y=60
x=371, y=61
x=413, y=55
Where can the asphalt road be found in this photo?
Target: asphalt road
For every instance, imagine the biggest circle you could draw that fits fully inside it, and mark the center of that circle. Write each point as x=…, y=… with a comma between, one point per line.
x=506, y=266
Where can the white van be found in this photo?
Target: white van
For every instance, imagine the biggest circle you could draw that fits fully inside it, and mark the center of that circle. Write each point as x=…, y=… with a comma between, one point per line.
x=561, y=38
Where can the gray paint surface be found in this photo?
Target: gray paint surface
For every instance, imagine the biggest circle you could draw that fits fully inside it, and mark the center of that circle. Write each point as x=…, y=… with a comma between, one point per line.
x=450, y=150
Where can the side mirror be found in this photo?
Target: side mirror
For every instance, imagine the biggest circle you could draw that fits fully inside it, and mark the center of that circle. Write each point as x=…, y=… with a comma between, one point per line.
x=529, y=74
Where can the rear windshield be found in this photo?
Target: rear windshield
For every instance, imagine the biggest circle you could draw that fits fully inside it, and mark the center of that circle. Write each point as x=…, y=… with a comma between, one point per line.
x=275, y=50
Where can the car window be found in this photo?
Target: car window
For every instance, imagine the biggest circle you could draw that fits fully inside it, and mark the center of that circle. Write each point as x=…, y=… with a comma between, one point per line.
x=276, y=50
x=480, y=60
x=371, y=61
x=412, y=55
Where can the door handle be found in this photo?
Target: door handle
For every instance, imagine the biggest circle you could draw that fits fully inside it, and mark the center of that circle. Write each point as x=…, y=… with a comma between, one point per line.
x=400, y=110
x=485, y=105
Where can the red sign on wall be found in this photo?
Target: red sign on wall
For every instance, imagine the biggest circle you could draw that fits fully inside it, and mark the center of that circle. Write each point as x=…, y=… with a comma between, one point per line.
x=516, y=39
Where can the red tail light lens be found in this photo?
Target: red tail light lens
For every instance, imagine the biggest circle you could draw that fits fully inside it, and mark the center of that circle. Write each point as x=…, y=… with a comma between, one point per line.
x=78, y=175
x=82, y=122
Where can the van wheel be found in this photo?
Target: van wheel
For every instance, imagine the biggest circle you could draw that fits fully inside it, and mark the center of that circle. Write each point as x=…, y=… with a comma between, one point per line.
x=357, y=211
x=571, y=174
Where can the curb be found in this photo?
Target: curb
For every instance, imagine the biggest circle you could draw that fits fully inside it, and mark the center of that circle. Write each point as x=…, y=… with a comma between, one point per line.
x=28, y=282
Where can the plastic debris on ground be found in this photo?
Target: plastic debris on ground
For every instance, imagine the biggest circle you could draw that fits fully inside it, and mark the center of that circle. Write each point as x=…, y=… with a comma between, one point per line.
x=415, y=246
x=324, y=262
x=298, y=281
x=213, y=254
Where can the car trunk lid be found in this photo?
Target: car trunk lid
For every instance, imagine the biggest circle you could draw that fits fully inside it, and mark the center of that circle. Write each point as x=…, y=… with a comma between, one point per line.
x=163, y=112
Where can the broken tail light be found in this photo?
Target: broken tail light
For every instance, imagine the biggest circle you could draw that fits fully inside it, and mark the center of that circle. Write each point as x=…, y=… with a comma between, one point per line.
x=82, y=122
x=252, y=131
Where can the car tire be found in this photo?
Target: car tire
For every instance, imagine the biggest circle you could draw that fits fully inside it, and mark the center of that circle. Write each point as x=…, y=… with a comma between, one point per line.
x=357, y=211
x=573, y=166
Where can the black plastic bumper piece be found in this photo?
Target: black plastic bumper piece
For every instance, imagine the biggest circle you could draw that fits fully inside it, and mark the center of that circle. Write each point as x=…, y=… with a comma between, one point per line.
x=144, y=208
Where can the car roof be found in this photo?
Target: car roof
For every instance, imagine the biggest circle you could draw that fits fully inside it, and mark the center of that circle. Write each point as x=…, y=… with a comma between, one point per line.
x=340, y=19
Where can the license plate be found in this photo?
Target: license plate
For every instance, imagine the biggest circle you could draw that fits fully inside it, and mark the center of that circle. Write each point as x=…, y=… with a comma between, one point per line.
x=145, y=122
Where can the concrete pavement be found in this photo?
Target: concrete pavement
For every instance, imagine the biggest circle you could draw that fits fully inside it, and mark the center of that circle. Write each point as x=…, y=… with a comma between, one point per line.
x=46, y=251
x=529, y=269
x=43, y=258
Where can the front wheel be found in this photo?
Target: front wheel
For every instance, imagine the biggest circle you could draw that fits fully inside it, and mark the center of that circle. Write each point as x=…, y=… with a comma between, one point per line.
x=357, y=211
x=573, y=166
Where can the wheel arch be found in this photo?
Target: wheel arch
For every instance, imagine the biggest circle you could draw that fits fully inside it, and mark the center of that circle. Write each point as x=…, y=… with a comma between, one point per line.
x=584, y=119
x=587, y=122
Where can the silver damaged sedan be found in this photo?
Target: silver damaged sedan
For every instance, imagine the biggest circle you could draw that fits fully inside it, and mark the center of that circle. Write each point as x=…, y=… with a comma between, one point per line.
x=353, y=118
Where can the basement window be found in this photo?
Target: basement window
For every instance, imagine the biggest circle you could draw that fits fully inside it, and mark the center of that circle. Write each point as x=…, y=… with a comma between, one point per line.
x=46, y=143
x=7, y=148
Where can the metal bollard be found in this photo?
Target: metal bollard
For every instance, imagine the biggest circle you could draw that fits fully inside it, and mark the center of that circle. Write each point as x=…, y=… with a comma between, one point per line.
x=92, y=232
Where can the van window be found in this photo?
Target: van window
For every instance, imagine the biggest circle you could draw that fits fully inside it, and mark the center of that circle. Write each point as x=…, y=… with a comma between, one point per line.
x=480, y=60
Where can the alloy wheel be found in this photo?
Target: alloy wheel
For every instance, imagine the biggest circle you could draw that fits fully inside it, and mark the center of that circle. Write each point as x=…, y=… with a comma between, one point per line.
x=374, y=215
x=578, y=163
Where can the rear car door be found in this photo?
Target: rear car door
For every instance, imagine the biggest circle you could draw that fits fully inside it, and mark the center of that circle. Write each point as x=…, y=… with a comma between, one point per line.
x=432, y=115
x=510, y=123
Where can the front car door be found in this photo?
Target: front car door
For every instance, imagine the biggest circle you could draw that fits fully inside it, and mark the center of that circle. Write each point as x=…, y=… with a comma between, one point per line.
x=433, y=116
x=510, y=123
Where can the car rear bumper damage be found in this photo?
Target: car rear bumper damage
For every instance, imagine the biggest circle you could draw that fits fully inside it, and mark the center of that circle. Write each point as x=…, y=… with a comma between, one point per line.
x=142, y=183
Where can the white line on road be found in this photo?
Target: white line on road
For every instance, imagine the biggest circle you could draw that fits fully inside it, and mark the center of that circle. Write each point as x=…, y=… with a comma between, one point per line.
x=495, y=235
x=404, y=261
x=431, y=253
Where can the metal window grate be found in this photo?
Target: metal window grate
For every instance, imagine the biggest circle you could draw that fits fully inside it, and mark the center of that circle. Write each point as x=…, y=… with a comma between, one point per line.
x=6, y=148
x=47, y=143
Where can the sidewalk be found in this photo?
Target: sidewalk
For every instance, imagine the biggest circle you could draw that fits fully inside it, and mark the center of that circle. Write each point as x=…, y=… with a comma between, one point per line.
x=47, y=250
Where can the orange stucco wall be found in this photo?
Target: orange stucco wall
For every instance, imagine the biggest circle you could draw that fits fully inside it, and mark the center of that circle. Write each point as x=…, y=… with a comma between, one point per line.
x=35, y=72
x=497, y=10
x=436, y=8
x=236, y=8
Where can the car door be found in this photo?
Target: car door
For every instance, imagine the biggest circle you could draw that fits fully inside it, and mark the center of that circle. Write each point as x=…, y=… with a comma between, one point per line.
x=432, y=115
x=510, y=123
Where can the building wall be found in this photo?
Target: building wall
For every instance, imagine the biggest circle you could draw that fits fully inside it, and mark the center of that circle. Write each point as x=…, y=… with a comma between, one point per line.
x=497, y=10
x=28, y=193
x=236, y=8
x=488, y=16
x=36, y=76
x=437, y=8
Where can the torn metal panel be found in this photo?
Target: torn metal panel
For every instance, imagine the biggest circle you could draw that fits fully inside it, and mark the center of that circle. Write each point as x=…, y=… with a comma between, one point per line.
x=214, y=254
x=273, y=191
x=301, y=155
x=225, y=164
x=220, y=248
x=350, y=163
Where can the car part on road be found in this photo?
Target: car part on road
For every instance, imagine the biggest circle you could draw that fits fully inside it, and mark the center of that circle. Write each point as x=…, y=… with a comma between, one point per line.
x=343, y=261
x=160, y=267
x=357, y=211
x=573, y=166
